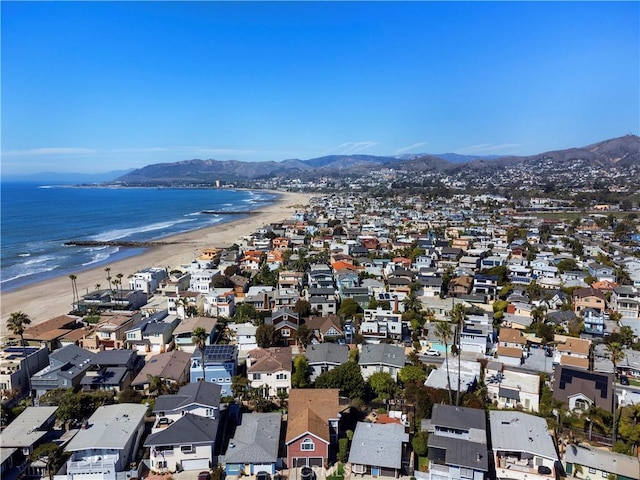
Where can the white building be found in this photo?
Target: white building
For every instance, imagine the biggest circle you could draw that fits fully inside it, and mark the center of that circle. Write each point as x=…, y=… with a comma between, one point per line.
x=148, y=280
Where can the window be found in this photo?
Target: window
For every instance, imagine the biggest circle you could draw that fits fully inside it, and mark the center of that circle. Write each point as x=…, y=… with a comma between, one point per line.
x=605, y=475
x=220, y=380
x=257, y=376
x=307, y=444
x=161, y=464
x=281, y=376
x=186, y=448
x=592, y=470
x=466, y=472
x=285, y=332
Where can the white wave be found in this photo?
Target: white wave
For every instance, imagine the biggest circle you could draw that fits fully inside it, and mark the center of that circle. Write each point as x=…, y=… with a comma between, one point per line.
x=38, y=260
x=24, y=254
x=26, y=273
x=100, y=257
x=125, y=232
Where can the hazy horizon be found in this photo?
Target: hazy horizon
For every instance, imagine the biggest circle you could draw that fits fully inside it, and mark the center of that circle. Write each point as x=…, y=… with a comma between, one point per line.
x=92, y=87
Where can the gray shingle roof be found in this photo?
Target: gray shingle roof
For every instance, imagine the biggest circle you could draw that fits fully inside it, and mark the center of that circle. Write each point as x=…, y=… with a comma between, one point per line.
x=462, y=453
x=201, y=393
x=256, y=439
x=458, y=417
x=519, y=432
x=383, y=353
x=187, y=429
x=378, y=444
x=327, y=352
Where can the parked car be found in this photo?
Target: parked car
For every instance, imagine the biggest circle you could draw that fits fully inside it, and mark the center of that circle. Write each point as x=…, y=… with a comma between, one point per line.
x=204, y=476
x=432, y=353
x=263, y=476
x=624, y=380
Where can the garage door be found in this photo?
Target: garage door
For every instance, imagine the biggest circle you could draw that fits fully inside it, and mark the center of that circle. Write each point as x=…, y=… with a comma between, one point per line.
x=196, y=464
x=268, y=467
x=307, y=462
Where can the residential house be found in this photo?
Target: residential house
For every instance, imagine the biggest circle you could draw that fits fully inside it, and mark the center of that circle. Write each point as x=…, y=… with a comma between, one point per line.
x=381, y=358
x=468, y=373
x=285, y=322
x=601, y=272
x=112, y=370
x=179, y=302
x=110, y=331
x=588, y=298
x=251, y=260
x=111, y=300
x=579, y=389
x=573, y=352
x=148, y=280
x=16, y=368
x=290, y=280
x=269, y=370
x=285, y=298
x=598, y=463
x=172, y=368
x=66, y=368
x=630, y=364
x=107, y=444
x=312, y=426
x=183, y=333
x=457, y=445
x=22, y=436
x=254, y=446
x=220, y=364
x=379, y=324
x=512, y=389
x=511, y=346
x=523, y=448
x=220, y=302
x=244, y=336
x=202, y=280
x=378, y=449
x=486, y=285
x=324, y=357
x=459, y=286
x=319, y=275
x=184, y=435
x=477, y=334
x=325, y=329
x=153, y=334
x=625, y=300
x=260, y=296
x=594, y=322
x=50, y=331
x=430, y=286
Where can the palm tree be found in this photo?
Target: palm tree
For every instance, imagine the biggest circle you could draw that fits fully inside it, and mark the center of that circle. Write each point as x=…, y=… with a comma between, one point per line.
x=443, y=330
x=98, y=286
x=616, y=353
x=17, y=323
x=74, y=291
x=538, y=313
x=119, y=277
x=199, y=338
x=458, y=316
x=108, y=270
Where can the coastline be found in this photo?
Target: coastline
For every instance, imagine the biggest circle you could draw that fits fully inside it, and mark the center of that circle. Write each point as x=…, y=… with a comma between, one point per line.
x=50, y=298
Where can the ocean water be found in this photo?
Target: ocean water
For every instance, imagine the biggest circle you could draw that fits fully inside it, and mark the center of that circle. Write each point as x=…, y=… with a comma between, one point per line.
x=37, y=219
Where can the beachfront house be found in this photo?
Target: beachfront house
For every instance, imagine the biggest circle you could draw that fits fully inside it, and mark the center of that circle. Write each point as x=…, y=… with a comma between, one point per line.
x=148, y=280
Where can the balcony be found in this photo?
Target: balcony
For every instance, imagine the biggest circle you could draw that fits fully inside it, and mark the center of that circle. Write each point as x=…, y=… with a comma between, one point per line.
x=95, y=464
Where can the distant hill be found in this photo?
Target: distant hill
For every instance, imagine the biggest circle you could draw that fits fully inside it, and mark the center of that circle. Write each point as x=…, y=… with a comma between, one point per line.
x=68, y=177
x=619, y=152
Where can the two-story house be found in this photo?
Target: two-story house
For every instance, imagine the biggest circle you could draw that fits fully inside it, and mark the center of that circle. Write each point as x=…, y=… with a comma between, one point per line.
x=523, y=448
x=378, y=449
x=312, y=426
x=112, y=370
x=153, y=334
x=220, y=364
x=184, y=434
x=183, y=333
x=107, y=444
x=323, y=357
x=269, y=370
x=254, y=446
x=457, y=445
x=148, y=280
x=66, y=368
x=588, y=298
x=381, y=358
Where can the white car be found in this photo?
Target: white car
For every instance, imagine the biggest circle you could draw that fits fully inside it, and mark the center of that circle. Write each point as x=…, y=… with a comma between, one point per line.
x=432, y=353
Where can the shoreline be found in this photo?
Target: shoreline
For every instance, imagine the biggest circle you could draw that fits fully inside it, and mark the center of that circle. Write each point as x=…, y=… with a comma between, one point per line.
x=52, y=297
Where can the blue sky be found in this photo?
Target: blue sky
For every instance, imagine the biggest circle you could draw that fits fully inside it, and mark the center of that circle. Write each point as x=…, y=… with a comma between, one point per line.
x=99, y=86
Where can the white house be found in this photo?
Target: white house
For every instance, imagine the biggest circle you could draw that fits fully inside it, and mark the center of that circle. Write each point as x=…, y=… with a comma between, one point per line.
x=148, y=280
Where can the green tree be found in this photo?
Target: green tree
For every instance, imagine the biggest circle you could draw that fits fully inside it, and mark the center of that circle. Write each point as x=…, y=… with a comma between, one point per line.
x=199, y=338
x=266, y=336
x=412, y=374
x=629, y=425
x=245, y=312
x=346, y=377
x=17, y=324
x=304, y=335
x=383, y=385
x=302, y=308
x=301, y=377
x=420, y=443
x=239, y=384
x=343, y=450
x=349, y=308
x=445, y=332
x=129, y=395
x=49, y=453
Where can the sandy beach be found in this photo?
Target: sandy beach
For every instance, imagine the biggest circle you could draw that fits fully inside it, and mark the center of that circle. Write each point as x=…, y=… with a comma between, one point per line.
x=47, y=299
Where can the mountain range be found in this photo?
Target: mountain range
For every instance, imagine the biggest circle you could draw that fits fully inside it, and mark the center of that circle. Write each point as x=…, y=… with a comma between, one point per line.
x=620, y=152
